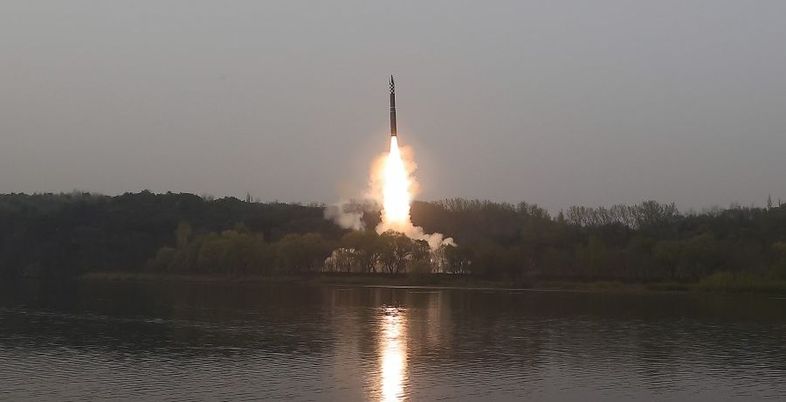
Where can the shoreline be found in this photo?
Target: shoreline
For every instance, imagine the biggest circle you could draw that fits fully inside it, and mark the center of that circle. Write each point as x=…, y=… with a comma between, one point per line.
x=445, y=282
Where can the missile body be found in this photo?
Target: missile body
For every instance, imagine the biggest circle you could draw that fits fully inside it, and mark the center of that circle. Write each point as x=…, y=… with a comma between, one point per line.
x=392, y=107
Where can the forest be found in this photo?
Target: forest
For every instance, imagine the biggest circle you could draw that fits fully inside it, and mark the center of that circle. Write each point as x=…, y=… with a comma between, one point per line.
x=70, y=234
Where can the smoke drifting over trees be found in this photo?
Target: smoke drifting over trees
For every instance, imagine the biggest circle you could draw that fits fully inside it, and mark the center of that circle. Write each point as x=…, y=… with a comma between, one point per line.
x=350, y=214
x=392, y=186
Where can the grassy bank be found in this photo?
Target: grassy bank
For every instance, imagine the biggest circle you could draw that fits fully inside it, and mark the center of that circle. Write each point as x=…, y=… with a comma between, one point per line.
x=741, y=283
x=353, y=279
x=720, y=282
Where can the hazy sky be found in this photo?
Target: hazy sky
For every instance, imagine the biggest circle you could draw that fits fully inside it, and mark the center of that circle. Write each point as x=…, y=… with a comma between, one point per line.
x=554, y=102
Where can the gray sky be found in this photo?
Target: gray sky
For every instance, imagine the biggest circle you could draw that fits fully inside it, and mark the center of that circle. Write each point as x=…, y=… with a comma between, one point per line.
x=554, y=102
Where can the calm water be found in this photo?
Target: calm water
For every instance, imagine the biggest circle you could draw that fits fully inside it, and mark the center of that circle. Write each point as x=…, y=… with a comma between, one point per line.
x=185, y=342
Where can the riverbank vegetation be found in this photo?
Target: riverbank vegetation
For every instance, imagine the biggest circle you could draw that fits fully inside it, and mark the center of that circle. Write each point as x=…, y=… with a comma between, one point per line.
x=61, y=235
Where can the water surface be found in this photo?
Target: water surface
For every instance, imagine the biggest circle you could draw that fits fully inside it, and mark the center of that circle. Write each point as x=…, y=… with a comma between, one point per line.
x=218, y=341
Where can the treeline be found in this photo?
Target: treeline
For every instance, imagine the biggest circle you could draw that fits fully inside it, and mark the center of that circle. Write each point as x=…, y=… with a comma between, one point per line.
x=239, y=251
x=56, y=235
x=67, y=234
x=643, y=242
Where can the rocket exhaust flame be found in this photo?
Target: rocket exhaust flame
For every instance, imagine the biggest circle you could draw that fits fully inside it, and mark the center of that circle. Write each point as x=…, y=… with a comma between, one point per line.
x=392, y=183
x=396, y=195
x=396, y=192
x=397, y=183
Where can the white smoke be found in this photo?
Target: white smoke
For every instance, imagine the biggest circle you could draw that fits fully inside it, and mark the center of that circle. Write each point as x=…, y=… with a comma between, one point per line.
x=434, y=240
x=348, y=214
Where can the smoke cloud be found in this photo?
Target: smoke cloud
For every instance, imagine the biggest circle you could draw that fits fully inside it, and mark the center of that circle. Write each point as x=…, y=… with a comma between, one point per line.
x=349, y=214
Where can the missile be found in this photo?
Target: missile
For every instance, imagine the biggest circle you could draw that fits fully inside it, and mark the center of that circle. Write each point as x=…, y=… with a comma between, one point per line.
x=392, y=107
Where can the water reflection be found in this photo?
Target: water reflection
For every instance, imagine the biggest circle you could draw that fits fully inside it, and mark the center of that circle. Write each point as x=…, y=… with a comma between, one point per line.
x=149, y=341
x=393, y=353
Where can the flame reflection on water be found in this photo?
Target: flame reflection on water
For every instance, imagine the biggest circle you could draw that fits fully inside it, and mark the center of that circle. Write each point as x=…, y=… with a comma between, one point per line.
x=393, y=354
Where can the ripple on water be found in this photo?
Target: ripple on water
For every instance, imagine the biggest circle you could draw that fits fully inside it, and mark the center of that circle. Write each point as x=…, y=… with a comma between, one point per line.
x=390, y=344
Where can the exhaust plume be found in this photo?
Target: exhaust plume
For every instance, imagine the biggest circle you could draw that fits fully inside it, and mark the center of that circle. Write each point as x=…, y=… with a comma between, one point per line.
x=393, y=186
x=393, y=183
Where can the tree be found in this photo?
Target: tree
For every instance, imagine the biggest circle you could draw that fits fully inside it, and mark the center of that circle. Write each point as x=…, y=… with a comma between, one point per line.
x=668, y=253
x=396, y=250
x=302, y=253
x=342, y=260
x=183, y=234
x=779, y=265
x=163, y=259
x=366, y=246
x=457, y=259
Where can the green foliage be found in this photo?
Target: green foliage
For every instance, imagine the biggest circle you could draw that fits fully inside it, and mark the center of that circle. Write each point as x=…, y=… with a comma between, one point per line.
x=366, y=249
x=592, y=256
x=396, y=251
x=457, y=259
x=778, y=269
x=68, y=234
x=342, y=260
x=182, y=234
x=302, y=253
x=231, y=252
x=743, y=282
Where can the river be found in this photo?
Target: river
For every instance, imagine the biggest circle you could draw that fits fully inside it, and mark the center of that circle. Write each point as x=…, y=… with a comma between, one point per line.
x=187, y=341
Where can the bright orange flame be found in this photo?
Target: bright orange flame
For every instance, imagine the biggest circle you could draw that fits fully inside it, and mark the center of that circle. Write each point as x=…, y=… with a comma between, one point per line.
x=396, y=195
x=393, y=181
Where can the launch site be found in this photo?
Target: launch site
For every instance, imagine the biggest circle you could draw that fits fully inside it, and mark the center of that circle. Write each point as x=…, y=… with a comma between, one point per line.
x=399, y=201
